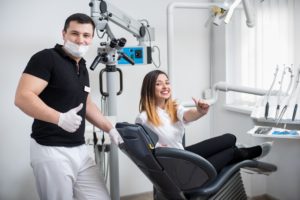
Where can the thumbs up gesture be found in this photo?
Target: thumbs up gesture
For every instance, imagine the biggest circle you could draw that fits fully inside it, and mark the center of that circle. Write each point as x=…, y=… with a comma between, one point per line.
x=202, y=106
x=70, y=121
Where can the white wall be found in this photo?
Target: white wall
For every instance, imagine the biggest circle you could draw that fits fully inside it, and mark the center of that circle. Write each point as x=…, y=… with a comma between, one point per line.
x=32, y=25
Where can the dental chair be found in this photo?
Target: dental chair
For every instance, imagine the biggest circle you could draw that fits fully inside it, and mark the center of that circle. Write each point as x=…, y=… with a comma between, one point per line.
x=181, y=175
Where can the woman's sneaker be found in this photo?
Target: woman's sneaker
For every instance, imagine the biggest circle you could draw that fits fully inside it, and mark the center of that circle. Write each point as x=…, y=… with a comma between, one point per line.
x=265, y=149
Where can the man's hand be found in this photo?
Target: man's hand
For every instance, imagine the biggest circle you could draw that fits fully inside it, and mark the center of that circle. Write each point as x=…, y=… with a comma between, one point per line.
x=70, y=121
x=115, y=136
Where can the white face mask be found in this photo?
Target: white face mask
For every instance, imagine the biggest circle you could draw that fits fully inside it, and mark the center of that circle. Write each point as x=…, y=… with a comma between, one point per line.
x=75, y=49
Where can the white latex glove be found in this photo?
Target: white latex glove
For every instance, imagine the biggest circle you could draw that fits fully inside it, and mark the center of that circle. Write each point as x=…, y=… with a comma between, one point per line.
x=70, y=121
x=115, y=136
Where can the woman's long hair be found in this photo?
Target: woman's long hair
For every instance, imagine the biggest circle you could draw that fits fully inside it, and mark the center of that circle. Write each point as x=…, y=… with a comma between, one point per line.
x=147, y=101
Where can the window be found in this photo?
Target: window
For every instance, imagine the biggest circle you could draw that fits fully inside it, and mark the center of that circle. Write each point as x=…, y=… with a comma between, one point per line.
x=254, y=53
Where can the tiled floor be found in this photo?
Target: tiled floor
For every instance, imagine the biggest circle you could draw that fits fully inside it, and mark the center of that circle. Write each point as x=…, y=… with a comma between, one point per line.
x=149, y=196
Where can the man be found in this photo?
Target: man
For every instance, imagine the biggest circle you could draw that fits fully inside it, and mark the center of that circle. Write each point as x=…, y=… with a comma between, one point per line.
x=54, y=90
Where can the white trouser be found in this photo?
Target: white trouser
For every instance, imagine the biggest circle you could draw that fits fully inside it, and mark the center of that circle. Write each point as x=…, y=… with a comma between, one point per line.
x=66, y=173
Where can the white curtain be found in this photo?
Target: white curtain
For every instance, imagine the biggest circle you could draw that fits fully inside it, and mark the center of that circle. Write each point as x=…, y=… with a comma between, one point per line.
x=254, y=53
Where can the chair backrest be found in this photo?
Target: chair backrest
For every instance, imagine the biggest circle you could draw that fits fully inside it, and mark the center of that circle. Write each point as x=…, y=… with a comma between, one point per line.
x=172, y=171
x=139, y=143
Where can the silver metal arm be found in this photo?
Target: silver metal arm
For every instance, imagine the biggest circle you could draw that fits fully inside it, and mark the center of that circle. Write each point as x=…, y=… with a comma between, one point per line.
x=102, y=12
x=226, y=87
x=249, y=14
x=247, y=9
x=231, y=10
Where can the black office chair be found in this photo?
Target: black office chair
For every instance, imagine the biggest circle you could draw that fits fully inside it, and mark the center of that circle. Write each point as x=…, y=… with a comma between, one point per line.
x=180, y=175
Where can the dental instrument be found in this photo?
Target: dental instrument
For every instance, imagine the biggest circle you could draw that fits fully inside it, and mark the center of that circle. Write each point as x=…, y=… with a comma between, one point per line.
x=294, y=112
x=290, y=96
x=269, y=93
x=296, y=100
x=263, y=130
x=279, y=94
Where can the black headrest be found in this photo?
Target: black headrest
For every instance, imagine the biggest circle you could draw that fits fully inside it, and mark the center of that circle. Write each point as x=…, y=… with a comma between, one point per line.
x=153, y=136
x=148, y=134
x=139, y=144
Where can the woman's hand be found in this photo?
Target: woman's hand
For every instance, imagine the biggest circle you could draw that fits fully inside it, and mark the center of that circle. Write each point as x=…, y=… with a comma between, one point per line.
x=194, y=114
x=201, y=105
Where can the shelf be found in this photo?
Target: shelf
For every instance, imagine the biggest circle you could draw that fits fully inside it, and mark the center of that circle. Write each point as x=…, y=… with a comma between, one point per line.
x=269, y=134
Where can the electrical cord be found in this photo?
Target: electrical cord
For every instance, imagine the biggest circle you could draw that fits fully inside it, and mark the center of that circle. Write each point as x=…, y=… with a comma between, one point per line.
x=159, y=61
x=103, y=159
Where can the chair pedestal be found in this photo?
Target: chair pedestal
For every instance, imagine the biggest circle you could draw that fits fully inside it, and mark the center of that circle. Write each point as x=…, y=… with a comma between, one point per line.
x=233, y=190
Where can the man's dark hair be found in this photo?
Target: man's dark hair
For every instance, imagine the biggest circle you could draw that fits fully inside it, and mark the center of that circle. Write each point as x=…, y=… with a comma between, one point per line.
x=80, y=18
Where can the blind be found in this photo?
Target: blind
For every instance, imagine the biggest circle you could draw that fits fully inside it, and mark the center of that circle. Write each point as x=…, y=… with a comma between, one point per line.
x=254, y=53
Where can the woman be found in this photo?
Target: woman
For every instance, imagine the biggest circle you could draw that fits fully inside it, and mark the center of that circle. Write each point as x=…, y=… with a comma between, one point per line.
x=167, y=119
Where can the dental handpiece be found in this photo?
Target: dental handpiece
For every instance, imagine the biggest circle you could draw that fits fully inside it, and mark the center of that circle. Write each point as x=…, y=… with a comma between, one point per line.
x=297, y=97
x=279, y=94
x=295, y=112
x=269, y=93
x=284, y=109
x=267, y=110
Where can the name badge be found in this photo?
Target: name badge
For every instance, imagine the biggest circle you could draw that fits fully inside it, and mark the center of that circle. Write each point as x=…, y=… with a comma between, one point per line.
x=87, y=89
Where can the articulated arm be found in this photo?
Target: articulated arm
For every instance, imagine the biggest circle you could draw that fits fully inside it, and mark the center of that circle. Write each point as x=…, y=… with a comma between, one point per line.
x=111, y=52
x=102, y=12
x=247, y=9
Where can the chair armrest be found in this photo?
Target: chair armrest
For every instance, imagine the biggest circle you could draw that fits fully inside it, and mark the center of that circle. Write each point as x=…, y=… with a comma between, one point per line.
x=186, y=169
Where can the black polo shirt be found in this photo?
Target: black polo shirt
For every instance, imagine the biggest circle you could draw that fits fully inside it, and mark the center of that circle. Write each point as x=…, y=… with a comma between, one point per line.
x=66, y=89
